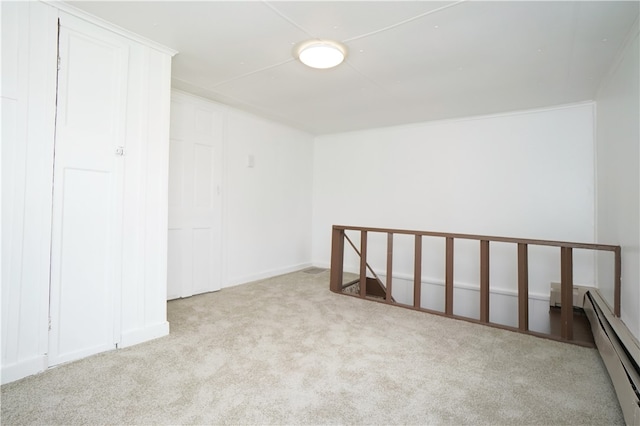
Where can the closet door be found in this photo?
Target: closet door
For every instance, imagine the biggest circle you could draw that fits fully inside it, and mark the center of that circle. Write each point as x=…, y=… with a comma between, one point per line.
x=87, y=193
x=195, y=163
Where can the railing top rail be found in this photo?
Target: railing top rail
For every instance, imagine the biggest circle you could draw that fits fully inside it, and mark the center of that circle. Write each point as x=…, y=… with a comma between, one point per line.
x=588, y=246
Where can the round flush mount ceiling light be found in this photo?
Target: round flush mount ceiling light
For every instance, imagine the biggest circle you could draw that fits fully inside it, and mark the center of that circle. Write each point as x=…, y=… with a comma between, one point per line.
x=320, y=53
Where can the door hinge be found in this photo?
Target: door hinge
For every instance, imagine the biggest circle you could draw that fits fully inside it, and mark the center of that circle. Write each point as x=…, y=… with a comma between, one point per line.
x=49, y=323
x=59, y=63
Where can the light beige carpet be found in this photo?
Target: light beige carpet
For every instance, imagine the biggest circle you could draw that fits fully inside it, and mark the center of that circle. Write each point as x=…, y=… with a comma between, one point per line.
x=287, y=351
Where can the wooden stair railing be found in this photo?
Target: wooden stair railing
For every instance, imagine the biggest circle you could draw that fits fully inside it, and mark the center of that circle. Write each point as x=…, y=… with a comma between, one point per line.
x=566, y=273
x=369, y=286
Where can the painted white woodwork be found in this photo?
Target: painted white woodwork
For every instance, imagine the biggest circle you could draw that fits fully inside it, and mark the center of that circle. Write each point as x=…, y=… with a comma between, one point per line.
x=195, y=207
x=618, y=177
x=29, y=38
x=144, y=249
x=29, y=49
x=87, y=193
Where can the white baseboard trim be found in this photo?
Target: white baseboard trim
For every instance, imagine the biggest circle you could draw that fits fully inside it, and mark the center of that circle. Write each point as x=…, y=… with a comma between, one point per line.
x=266, y=274
x=134, y=337
x=471, y=287
x=19, y=370
x=457, y=285
x=324, y=265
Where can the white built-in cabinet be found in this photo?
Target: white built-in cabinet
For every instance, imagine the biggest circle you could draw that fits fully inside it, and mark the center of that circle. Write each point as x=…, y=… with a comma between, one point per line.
x=195, y=174
x=84, y=187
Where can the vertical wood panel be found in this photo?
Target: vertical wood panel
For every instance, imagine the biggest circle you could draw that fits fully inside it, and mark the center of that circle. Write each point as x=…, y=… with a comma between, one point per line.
x=15, y=140
x=566, y=293
x=363, y=263
x=484, y=281
x=417, y=271
x=617, y=282
x=337, y=260
x=449, y=276
x=523, y=287
x=29, y=49
x=153, y=214
x=389, y=266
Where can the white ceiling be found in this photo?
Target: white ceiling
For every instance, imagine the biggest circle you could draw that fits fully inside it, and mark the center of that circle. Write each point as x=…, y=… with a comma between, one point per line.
x=408, y=61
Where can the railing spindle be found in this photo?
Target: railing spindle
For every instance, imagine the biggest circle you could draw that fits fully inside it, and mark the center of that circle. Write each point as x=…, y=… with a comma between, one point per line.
x=417, y=272
x=363, y=264
x=337, y=259
x=448, y=280
x=566, y=293
x=484, y=281
x=523, y=287
x=617, y=280
x=389, y=265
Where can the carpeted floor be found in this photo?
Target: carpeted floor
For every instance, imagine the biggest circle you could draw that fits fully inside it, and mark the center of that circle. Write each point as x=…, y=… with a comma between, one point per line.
x=288, y=351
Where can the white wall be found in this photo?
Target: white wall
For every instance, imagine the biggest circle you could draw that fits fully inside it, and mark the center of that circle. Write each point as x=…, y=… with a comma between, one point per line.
x=618, y=176
x=29, y=31
x=267, y=207
x=528, y=174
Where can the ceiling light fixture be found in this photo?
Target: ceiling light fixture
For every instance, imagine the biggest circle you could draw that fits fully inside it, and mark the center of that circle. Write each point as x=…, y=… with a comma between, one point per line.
x=320, y=53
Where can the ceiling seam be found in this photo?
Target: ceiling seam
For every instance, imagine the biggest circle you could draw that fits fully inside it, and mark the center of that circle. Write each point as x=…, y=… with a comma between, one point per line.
x=286, y=18
x=572, y=50
x=631, y=35
x=252, y=72
x=289, y=20
x=371, y=80
x=406, y=21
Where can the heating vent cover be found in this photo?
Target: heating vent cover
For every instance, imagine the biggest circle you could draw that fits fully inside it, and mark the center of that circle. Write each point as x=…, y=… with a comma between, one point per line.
x=555, y=298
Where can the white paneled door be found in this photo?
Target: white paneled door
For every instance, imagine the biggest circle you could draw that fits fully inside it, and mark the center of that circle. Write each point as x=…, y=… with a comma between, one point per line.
x=194, y=259
x=87, y=194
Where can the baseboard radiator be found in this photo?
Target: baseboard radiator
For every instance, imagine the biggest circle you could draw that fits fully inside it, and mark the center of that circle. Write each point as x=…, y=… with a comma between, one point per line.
x=619, y=351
